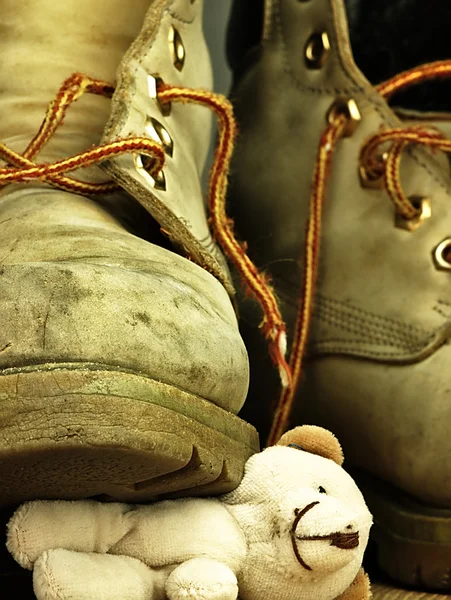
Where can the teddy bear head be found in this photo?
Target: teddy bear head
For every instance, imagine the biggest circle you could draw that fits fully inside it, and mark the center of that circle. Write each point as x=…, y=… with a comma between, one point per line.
x=304, y=519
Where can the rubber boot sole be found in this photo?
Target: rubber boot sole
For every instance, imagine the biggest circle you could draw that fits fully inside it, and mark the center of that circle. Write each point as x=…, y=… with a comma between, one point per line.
x=413, y=540
x=75, y=431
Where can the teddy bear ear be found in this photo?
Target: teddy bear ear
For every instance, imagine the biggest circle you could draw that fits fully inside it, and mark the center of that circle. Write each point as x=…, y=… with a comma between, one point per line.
x=315, y=440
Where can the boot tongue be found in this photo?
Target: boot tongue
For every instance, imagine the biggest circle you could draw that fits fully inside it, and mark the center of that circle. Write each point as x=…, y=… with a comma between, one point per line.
x=44, y=42
x=388, y=37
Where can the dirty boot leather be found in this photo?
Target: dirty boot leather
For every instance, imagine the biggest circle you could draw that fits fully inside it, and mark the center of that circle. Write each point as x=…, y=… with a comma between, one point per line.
x=121, y=364
x=377, y=360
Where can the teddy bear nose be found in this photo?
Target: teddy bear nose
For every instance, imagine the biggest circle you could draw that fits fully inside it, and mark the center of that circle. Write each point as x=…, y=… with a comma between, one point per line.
x=345, y=541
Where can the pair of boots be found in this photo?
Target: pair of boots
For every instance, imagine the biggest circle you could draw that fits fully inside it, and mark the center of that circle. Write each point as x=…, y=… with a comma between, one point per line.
x=123, y=367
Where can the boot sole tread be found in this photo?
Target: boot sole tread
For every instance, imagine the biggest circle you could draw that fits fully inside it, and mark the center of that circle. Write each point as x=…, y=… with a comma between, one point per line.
x=68, y=432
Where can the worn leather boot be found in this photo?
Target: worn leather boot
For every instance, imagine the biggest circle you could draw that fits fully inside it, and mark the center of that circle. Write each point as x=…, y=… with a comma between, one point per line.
x=377, y=359
x=122, y=367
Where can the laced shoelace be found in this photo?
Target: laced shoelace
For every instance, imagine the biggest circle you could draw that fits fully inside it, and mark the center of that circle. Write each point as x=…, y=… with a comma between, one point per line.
x=22, y=168
x=377, y=165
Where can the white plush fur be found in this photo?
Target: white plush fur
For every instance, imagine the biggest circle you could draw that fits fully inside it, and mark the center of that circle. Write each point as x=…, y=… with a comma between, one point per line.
x=203, y=549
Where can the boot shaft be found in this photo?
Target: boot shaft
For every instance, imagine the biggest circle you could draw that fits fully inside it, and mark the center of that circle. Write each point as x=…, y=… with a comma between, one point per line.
x=42, y=44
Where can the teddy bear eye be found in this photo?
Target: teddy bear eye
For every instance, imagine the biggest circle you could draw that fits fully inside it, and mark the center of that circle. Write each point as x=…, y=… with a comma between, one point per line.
x=321, y=490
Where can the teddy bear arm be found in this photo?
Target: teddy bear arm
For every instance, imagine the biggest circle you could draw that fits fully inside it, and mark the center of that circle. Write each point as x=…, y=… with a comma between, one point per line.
x=359, y=588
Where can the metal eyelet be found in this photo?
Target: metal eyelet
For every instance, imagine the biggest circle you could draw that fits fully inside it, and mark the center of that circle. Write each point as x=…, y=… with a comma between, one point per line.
x=372, y=181
x=347, y=107
x=158, y=182
x=317, y=50
x=176, y=48
x=153, y=82
x=369, y=181
x=440, y=255
x=157, y=132
x=424, y=212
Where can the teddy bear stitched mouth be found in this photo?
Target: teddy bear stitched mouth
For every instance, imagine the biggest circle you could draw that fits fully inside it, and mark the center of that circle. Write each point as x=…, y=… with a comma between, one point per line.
x=345, y=541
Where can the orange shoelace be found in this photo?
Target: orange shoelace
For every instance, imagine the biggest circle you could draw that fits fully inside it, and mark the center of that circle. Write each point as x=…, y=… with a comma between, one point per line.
x=22, y=168
x=377, y=165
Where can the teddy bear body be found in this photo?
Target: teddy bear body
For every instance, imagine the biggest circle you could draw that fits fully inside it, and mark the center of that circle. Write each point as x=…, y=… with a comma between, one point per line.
x=294, y=529
x=175, y=531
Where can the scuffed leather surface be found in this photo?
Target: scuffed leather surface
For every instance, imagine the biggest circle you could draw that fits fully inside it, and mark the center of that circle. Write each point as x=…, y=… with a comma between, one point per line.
x=78, y=288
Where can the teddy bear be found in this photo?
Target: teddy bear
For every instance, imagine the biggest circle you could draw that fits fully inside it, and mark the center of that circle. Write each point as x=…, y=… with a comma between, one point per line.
x=294, y=529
